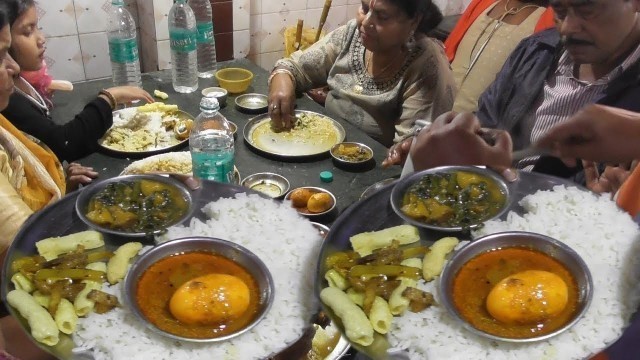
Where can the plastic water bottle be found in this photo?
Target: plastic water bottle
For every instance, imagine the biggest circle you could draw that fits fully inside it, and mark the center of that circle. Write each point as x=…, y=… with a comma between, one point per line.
x=211, y=143
x=123, y=46
x=206, y=42
x=182, y=38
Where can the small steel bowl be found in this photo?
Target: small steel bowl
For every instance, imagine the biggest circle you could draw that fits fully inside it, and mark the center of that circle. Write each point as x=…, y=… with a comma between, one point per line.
x=344, y=160
x=227, y=249
x=271, y=184
x=549, y=246
x=252, y=103
x=303, y=210
x=87, y=193
x=399, y=190
x=219, y=93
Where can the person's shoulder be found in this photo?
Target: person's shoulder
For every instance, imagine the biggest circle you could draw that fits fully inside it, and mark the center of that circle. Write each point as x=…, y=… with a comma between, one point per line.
x=549, y=37
x=18, y=108
x=348, y=30
x=430, y=50
x=343, y=34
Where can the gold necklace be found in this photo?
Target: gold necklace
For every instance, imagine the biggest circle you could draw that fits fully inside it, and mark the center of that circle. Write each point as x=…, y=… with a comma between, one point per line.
x=368, y=63
x=359, y=87
x=507, y=12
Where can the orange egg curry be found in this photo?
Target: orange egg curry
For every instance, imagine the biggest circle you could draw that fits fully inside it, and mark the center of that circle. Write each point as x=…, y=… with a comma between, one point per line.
x=198, y=295
x=515, y=292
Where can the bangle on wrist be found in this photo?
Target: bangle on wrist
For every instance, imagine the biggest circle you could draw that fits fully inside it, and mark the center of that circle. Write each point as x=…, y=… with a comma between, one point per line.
x=281, y=71
x=112, y=100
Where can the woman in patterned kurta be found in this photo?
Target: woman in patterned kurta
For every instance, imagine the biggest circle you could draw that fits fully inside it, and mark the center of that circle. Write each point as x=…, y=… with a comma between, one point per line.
x=383, y=72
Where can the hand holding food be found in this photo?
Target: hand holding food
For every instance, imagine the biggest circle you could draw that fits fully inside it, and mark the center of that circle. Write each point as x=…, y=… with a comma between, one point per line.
x=127, y=94
x=455, y=139
x=282, y=101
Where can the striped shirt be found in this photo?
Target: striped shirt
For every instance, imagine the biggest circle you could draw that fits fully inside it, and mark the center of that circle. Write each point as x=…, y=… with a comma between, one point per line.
x=564, y=95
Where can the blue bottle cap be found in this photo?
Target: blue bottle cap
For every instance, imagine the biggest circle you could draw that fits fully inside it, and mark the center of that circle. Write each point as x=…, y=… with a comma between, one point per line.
x=326, y=176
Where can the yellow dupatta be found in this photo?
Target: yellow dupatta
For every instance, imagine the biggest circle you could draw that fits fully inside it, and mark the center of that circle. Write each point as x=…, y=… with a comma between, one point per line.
x=34, y=171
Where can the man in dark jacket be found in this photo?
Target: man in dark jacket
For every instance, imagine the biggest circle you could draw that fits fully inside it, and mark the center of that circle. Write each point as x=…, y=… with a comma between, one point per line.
x=593, y=56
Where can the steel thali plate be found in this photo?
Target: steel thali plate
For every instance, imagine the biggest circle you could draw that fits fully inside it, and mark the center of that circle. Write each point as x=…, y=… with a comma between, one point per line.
x=259, y=136
x=152, y=149
x=374, y=212
x=61, y=218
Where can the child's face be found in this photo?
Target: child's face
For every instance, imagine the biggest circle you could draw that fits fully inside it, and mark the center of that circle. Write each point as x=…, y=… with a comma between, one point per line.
x=27, y=42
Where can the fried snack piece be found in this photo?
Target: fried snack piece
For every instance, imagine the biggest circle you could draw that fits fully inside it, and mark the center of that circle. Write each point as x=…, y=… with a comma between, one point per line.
x=300, y=197
x=319, y=202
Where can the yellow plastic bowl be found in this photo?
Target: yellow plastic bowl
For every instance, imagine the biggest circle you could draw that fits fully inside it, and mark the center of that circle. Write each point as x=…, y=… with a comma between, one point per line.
x=235, y=80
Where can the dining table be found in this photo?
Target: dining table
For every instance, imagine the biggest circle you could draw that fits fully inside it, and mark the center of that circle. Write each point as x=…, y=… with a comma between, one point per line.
x=347, y=184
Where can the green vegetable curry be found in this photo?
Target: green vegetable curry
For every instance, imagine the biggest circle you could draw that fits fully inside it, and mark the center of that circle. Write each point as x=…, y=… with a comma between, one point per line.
x=453, y=199
x=137, y=206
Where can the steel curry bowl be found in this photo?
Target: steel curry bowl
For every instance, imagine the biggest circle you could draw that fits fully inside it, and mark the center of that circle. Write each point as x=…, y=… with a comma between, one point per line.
x=450, y=198
x=225, y=251
x=134, y=205
x=508, y=259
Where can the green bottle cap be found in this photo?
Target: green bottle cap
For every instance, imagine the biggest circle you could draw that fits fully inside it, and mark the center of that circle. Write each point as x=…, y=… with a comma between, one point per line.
x=326, y=176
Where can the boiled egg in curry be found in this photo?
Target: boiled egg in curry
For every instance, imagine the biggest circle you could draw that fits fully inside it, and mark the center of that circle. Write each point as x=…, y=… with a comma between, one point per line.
x=210, y=299
x=528, y=297
x=198, y=295
x=515, y=292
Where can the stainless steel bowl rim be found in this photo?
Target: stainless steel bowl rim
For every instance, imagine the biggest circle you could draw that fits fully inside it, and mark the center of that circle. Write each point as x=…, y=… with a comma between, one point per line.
x=211, y=89
x=318, y=189
x=322, y=229
x=234, y=126
x=204, y=244
x=256, y=178
x=402, y=185
x=254, y=100
x=480, y=246
x=347, y=162
x=82, y=201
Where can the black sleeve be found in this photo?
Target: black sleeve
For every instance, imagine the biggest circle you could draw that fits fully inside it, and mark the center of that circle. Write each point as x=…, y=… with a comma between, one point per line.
x=75, y=139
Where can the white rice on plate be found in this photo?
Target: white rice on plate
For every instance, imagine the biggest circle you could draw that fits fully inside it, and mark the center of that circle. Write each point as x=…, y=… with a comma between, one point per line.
x=603, y=235
x=286, y=242
x=151, y=136
x=173, y=162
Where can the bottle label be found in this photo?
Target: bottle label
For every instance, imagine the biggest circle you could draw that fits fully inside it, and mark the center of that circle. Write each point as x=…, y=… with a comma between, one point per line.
x=123, y=51
x=182, y=40
x=205, y=31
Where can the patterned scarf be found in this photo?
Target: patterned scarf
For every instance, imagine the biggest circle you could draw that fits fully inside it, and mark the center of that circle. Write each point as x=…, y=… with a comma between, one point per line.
x=34, y=171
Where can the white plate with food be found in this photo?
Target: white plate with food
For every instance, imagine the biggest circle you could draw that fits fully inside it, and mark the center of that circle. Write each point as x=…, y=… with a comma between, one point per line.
x=313, y=134
x=178, y=162
x=146, y=130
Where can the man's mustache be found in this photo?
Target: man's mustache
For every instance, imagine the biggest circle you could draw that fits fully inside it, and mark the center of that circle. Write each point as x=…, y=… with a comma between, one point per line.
x=573, y=41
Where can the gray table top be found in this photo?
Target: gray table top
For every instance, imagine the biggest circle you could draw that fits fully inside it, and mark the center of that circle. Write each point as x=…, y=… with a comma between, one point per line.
x=347, y=185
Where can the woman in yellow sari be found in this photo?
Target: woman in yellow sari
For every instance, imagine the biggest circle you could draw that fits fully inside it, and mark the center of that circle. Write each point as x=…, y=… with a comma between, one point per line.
x=31, y=177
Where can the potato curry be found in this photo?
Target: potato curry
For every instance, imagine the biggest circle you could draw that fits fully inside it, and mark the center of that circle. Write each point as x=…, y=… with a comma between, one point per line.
x=137, y=206
x=453, y=199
